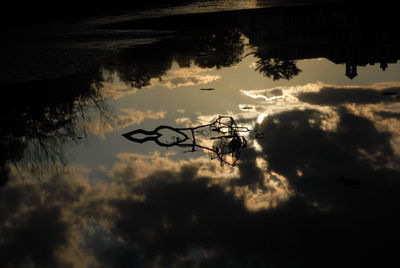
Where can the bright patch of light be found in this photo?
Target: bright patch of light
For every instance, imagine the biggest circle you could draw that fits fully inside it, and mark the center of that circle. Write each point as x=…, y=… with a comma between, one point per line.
x=257, y=146
x=261, y=117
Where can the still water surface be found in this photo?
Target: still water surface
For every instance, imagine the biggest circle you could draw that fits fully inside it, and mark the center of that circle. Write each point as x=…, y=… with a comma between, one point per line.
x=316, y=183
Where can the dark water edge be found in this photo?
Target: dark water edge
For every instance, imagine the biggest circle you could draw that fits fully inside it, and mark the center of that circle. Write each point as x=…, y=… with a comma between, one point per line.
x=73, y=11
x=15, y=14
x=237, y=17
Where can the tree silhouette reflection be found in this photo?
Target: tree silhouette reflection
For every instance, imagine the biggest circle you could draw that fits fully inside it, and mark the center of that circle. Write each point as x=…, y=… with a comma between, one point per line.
x=137, y=66
x=225, y=135
x=52, y=112
x=339, y=32
x=220, y=50
x=215, y=49
x=277, y=68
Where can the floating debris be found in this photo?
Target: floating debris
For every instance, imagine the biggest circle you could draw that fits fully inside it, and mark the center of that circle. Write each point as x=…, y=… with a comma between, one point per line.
x=225, y=136
x=247, y=107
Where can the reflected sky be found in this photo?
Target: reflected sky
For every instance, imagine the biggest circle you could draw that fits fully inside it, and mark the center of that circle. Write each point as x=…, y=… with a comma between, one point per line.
x=319, y=187
x=240, y=91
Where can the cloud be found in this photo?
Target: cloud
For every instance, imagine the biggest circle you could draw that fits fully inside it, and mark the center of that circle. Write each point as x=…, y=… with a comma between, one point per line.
x=291, y=190
x=320, y=94
x=283, y=206
x=135, y=117
x=185, y=77
x=191, y=214
x=384, y=118
x=129, y=118
x=183, y=120
x=296, y=141
x=279, y=99
x=194, y=76
x=135, y=167
x=81, y=223
x=336, y=95
x=112, y=90
x=40, y=226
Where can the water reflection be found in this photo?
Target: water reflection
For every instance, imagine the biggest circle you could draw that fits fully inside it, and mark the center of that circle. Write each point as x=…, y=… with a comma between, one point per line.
x=137, y=66
x=351, y=34
x=226, y=137
x=318, y=188
x=38, y=118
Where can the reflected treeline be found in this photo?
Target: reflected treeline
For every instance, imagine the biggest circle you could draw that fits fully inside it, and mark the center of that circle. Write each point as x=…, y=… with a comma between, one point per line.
x=275, y=68
x=215, y=49
x=137, y=66
x=38, y=117
x=351, y=33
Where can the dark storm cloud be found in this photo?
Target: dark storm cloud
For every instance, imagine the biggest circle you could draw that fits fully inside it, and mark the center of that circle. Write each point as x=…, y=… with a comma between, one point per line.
x=296, y=141
x=313, y=149
x=182, y=215
x=339, y=95
x=179, y=214
x=37, y=228
x=33, y=239
x=249, y=172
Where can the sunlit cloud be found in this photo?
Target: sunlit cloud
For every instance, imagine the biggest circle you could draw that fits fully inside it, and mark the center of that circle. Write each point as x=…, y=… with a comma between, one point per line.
x=377, y=113
x=287, y=94
x=135, y=117
x=185, y=77
x=292, y=93
x=135, y=167
x=128, y=118
x=184, y=121
x=59, y=211
x=280, y=99
x=274, y=191
x=116, y=91
x=114, y=88
x=261, y=117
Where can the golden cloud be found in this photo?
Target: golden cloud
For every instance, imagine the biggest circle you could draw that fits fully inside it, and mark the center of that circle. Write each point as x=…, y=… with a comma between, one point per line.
x=185, y=77
x=129, y=118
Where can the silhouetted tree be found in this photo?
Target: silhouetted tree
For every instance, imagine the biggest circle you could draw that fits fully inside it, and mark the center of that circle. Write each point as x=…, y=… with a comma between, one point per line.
x=38, y=118
x=137, y=66
x=221, y=49
x=277, y=69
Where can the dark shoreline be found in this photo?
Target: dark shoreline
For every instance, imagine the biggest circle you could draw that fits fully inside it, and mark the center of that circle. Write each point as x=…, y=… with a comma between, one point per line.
x=231, y=17
x=74, y=10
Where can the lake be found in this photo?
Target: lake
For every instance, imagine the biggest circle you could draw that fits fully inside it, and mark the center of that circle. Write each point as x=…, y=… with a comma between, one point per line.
x=256, y=135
